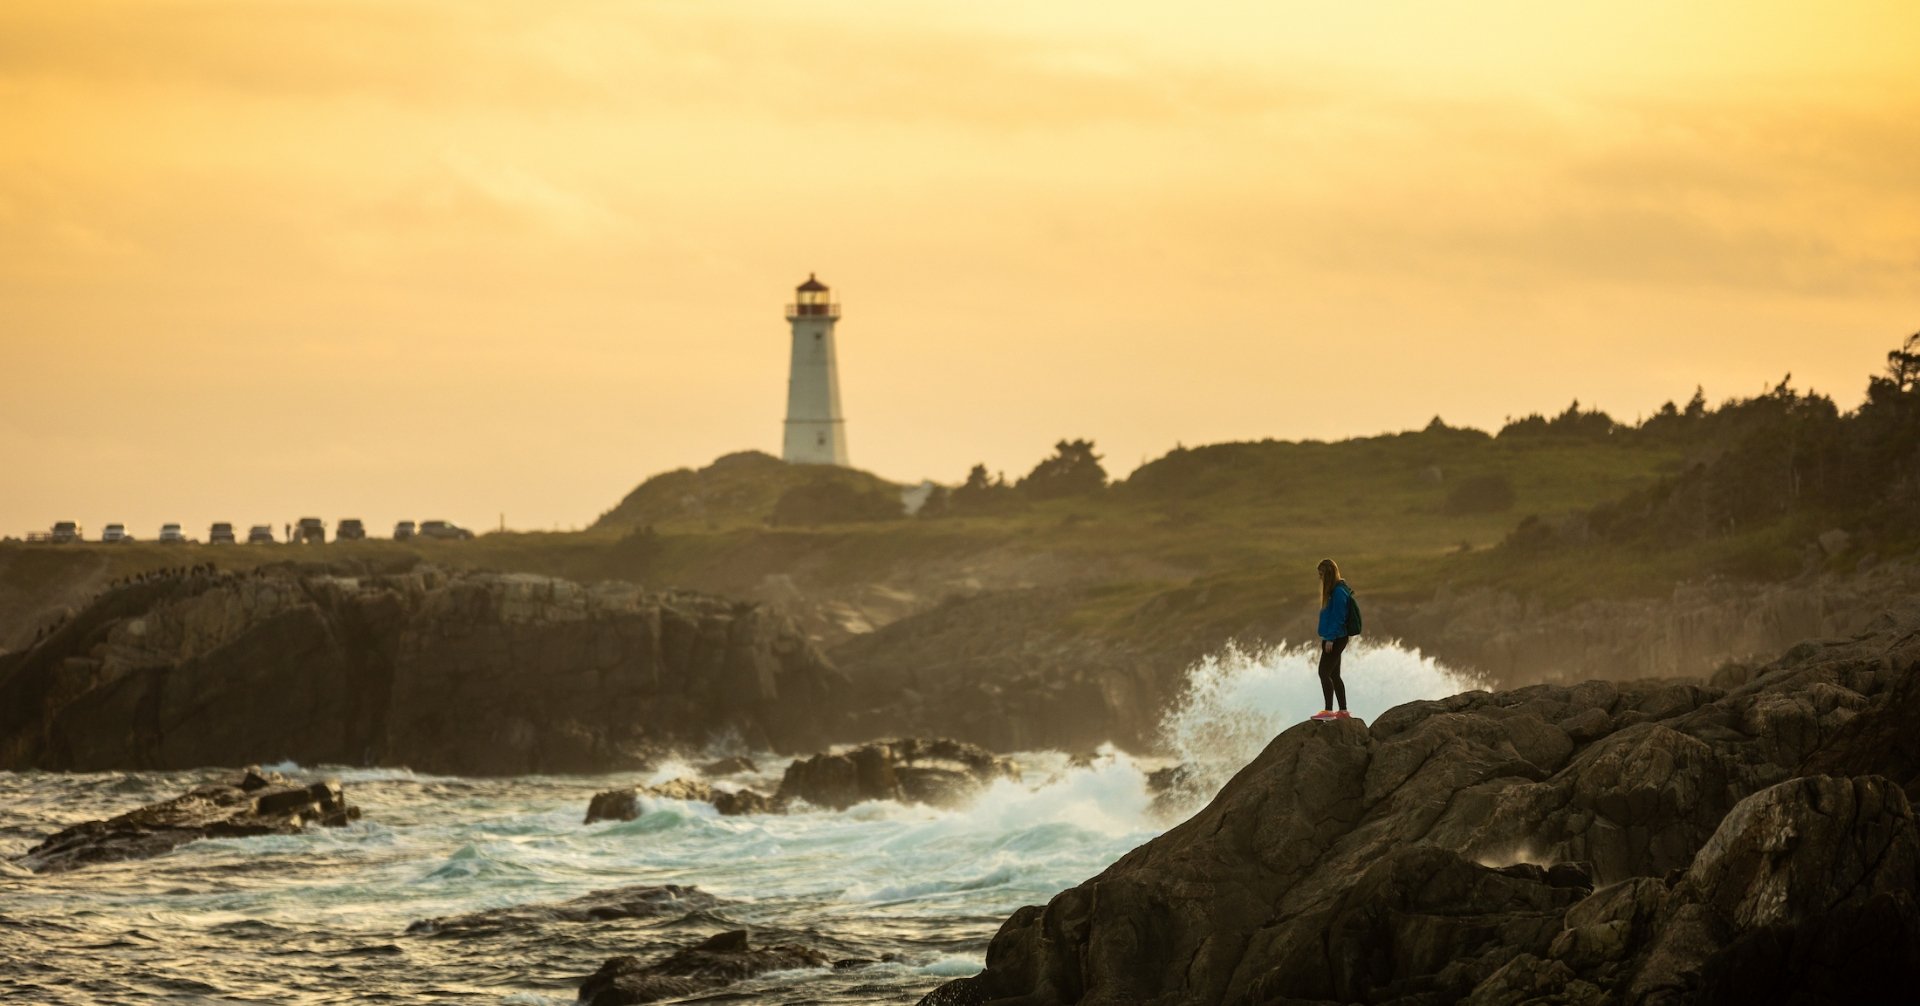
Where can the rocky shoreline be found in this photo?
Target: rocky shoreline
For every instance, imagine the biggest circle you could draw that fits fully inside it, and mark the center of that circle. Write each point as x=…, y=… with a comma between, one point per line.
x=1742, y=839
x=1749, y=836
x=497, y=674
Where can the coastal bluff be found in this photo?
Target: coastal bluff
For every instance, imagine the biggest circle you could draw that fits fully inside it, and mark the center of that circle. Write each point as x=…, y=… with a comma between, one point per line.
x=449, y=672
x=1748, y=837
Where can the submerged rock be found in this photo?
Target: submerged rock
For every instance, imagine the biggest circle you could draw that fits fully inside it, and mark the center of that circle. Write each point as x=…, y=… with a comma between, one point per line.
x=639, y=902
x=255, y=804
x=912, y=770
x=722, y=960
x=1450, y=852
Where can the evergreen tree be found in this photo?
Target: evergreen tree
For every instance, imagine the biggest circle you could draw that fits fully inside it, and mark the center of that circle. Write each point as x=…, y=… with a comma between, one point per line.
x=1074, y=470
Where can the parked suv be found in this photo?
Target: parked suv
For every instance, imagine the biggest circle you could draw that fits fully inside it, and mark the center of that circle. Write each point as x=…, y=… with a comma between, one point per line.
x=115, y=534
x=260, y=534
x=170, y=534
x=65, y=531
x=220, y=534
x=403, y=530
x=310, y=530
x=350, y=530
x=442, y=529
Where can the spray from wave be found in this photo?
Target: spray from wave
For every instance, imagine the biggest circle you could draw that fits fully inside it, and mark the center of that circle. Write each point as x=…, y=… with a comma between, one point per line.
x=1238, y=699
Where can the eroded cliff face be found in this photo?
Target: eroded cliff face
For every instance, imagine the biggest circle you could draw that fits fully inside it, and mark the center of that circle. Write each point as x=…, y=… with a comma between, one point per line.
x=469, y=673
x=1652, y=841
x=1021, y=669
x=1691, y=629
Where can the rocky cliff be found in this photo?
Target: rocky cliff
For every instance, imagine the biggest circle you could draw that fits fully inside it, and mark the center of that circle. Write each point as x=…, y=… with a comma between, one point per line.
x=1747, y=838
x=1022, y=669
x=468, y=673
x=1690, y=629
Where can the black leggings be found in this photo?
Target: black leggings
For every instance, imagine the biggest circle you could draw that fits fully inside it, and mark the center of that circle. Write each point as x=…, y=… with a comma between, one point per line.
x=1330, y=682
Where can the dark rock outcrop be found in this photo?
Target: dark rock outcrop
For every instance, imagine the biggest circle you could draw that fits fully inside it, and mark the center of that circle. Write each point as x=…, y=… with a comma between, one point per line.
x=470, y=673
x=1360, y=864
x=722, y=960
x=624, y=804
x=935, y=771
x=1806, y=893
x=255, y=804
x=912, y=770
x=641, y=902
x=730, y=765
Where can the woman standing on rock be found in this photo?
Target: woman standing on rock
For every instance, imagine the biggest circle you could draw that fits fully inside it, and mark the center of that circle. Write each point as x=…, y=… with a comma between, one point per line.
x=1336, y=614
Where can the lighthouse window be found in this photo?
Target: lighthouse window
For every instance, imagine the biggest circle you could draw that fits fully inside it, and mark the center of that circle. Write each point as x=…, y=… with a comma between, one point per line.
x=816, y=336
x=820, y=438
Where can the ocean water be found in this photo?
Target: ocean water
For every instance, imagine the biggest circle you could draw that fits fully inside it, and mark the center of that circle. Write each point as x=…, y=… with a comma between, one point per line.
x=321, y=917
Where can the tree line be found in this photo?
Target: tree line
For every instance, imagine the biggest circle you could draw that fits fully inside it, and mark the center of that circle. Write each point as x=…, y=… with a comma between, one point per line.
x=1782, y=454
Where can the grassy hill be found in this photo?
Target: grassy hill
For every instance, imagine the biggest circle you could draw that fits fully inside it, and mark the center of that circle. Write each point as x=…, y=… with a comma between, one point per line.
x=1256, y=512
x=737, y=490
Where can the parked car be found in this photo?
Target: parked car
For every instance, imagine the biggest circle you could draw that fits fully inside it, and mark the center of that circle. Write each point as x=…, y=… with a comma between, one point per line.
x=66, y=531
x=115, y=534
x=310, y=530
x=220, y=534
x=260, y=534
x=170, y=534
x=403, y=530
x=350, y=530
x=444, y=530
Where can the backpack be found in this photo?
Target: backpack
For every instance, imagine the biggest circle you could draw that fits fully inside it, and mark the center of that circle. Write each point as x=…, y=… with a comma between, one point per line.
x=1353, y=614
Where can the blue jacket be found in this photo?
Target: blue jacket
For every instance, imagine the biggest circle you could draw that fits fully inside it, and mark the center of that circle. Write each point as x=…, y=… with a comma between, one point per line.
x=1333, y=617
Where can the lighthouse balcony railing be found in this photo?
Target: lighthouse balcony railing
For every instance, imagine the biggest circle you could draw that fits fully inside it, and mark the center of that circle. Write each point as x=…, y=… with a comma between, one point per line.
x=813, y=310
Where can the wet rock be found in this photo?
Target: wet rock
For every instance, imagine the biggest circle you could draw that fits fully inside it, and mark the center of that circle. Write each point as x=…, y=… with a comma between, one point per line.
x=257, y=803
x=722, y=960
x=743, y=801
x=680, y=789
x=912, y=770
x=640, y=902
x=614, y=805
x=730, y=765
x=624, y=804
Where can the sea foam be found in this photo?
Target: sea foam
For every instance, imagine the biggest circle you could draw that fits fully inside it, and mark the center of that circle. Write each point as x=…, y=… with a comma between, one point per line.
x=1237, y=700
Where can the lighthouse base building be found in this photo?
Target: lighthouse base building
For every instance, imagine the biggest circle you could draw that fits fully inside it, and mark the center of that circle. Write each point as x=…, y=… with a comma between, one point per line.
x=816, y=431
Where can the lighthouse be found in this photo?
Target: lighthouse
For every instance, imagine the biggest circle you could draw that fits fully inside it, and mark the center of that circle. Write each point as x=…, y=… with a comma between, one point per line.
x=816, y=432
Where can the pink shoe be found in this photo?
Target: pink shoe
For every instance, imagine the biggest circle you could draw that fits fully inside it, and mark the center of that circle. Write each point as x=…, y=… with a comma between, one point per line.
x=1324, y=714
x=1343, y=715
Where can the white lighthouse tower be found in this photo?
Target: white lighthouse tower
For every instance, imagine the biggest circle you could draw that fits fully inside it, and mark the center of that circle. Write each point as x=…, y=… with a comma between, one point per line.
x=816, y=432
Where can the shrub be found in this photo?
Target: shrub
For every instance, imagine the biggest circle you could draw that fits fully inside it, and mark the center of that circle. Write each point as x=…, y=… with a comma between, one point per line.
x=983, y=494
x=827, y=501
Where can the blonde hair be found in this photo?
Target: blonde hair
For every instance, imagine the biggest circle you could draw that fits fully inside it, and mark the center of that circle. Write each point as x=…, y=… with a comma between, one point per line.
x=1329, y=575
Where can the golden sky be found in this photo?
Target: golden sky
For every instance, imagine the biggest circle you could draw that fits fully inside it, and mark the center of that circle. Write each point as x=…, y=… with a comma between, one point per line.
x=262, y=258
